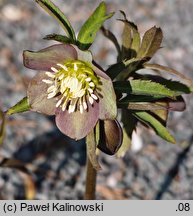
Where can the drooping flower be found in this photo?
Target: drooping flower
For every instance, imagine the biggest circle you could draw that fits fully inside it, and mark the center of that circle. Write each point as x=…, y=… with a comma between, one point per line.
x=70, y=86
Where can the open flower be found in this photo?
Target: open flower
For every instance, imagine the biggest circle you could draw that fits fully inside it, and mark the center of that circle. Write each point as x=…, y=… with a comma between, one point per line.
x=70, y=86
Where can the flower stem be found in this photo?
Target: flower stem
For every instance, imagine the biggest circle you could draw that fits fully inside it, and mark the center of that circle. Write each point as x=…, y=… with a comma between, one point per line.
x=91, y=175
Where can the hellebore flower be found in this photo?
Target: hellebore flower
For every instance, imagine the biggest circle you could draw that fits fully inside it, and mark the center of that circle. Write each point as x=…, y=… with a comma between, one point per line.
x=70, y=86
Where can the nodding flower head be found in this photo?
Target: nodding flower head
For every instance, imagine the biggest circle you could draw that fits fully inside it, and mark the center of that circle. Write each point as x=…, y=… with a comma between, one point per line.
x=70, y=86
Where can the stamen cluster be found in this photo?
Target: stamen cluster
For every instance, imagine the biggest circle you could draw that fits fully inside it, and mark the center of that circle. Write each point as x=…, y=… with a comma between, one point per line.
x=74, y=84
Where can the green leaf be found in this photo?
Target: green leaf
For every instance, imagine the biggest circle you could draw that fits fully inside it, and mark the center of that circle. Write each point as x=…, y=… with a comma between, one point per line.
x=152, y=122
x=158, y=67
x=2, y=126
x=123, y=69
x=176, y=86
x=142, y=87
x=108, y=34
x=59, y=38
x=21, y=106
x=130, y=39
x=126, y=41
x=132, y=65
x=55, y=12
x=151, y=42
x=129, y=124
x=125, y=145
x=162, y=114
x=140, y=98
x=114, y=70
x=140, y=105
x=91, y=150
x=88, y=31
x=136, y=40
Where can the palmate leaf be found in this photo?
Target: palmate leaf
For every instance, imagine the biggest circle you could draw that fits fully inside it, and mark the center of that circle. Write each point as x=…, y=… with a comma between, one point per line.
x=59, y=38
x=150, y=43
x=125, y=145
x=55, y=12
x=136, y=39
x=140, y=105
x=140, y=102
x=130, y=39
x=139, y=98
x=21, y=106
x=173, y=105
x=152, y=122
x=173, y=85
x=88, y=31
x=123, y=69
x=172, y=71
x=108, y=34
x=129, y=124
x=126, y=41
x=114, y=70
x=143, y=87
x=162, y=114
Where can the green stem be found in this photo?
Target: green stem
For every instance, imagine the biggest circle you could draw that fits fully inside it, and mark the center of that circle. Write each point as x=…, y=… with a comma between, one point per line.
x=91, y=175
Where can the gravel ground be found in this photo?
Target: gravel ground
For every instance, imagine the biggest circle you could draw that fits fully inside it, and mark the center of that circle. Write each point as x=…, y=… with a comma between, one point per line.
x=156, y=170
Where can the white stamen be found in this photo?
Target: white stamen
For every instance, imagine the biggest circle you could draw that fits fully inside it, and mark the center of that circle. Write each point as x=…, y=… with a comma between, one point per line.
x=51, y=88
x=81, y=108
x=94, y=96
x=61, y=77
x=50, y=74
x=51, y=95
x=47, y=81
x=59, y=102
x=84, y=103
x=65, y=103
x=72, y=86
x=88, y=79
x=66, y=81
x=80, y=93
x=90, y=90
x=62, y=88
x=91, y=84
x=69, y=109
x=63, y=107
x=63, y=67
x=75, y=67
x=73, y=106
x=54, y=69
x=91, y=100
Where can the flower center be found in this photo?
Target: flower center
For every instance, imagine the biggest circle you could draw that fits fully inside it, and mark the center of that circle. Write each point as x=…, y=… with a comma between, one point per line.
x=74, y=83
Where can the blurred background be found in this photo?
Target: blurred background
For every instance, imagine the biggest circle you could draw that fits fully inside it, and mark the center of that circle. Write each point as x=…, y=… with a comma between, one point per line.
x=153, y=168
